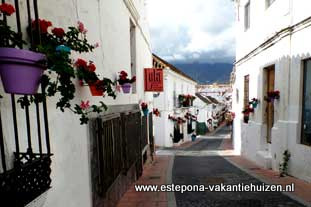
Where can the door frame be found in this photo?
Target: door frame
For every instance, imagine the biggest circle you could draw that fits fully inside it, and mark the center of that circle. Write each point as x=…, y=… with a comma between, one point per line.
x=269, y=114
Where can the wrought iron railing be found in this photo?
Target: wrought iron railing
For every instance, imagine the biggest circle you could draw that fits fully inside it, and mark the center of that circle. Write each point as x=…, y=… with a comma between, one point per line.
x=30, y=175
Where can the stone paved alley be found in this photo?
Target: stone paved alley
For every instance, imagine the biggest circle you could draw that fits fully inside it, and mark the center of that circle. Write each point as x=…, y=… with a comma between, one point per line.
x=210, y=160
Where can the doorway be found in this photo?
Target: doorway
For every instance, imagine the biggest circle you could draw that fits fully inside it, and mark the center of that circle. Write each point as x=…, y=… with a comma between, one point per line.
x=270, y=82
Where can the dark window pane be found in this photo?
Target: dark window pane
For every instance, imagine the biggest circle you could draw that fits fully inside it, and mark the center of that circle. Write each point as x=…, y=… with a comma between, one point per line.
x=306, y=113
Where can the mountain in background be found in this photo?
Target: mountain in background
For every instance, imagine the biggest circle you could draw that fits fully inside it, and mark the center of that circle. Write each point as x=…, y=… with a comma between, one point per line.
x=207, y=73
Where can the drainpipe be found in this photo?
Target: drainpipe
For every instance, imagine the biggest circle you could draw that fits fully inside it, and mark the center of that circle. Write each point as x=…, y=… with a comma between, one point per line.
x=289, y=73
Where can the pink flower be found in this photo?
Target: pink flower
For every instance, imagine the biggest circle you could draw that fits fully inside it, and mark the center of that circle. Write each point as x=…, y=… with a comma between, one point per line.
x=81, y=27
x=85, y=105
x=96, y=45
x=118, y=88
x=81, y=82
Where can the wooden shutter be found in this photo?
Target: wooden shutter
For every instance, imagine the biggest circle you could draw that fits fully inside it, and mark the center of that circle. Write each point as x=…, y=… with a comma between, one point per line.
x=246, y=91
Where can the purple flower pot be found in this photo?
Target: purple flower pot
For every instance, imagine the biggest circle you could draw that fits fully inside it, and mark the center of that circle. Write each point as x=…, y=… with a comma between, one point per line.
x=21, y=70
x=126, y=87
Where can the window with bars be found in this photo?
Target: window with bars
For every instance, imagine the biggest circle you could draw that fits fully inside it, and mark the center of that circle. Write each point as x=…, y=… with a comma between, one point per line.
x=246, y=91
x=306, y=104
x=247, y=16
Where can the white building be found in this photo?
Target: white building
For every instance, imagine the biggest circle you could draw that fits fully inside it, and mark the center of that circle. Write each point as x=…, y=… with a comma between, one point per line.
x=175, y=83
x=120, y=28
x=273, y=54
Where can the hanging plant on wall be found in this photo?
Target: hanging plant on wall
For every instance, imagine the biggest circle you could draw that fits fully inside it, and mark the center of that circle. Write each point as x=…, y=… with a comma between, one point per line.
x=186, y=100
x=189, y=116
x=254, y=103
x=57, y=45
x=272, y=95
x=20, y=69
x=179, y=120
x=86, y=74
x=156, y=112
x=125, y=82
x=144, y=108
x=246, y=112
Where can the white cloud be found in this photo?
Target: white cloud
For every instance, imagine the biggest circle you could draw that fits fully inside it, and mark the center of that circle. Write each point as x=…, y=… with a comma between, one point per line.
x=197, y=30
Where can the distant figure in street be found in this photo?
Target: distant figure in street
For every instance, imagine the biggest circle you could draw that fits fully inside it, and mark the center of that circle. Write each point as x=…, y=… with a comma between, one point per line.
x=193, y=136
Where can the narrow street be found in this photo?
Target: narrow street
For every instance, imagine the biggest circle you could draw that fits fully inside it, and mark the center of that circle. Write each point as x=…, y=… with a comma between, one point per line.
x=210, y=160
x=216, y=170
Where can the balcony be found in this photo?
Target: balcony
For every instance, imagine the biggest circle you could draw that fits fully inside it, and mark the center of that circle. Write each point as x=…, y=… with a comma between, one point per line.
x=25, y=155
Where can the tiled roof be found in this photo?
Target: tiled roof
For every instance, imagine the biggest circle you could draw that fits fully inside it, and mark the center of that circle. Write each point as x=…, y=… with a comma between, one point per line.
x=202, y=98
x=213, y=100
x=172, y=67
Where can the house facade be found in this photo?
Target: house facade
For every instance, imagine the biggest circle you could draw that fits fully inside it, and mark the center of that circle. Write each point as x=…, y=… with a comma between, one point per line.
x=74, y=178
x=173, y=127
x=273, y=66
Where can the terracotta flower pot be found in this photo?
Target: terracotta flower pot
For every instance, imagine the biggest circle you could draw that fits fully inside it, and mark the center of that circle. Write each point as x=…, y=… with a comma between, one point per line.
x=95, y=91
x=21, y=70
x=126, y=87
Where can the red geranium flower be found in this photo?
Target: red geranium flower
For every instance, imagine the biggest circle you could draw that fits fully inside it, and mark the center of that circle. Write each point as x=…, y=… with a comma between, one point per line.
x=144, y=105
x=123, y=73
x=58, y=32
x=91, y=67
x=81, y=63
x=43, y=24
x=7, y=9
x=133, y=79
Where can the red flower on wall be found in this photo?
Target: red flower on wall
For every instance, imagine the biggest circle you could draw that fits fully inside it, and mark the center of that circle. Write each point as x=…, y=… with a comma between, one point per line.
x=156, y=112
x=7, y=9
x=144, y=106
x=123, y=78
x=85, y=105
x=81, y=63
x=43, y=24
x=58, y=32
x=91, y=67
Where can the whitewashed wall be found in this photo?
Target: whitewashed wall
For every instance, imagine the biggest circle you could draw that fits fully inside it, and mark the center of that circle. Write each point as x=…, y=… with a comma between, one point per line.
x=165, y=103
x=108, y=23
x=287, y=53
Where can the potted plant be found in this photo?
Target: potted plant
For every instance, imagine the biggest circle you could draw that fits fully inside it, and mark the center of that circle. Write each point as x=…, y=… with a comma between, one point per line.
x=125, y=82
x=254, y=102
x=192, y=98
x=272, y=95
x=84, y=108
x=57, y=44
x=156, y=112
x=246, y=112
x=86, y=74
x=20, y=70
x=144, y=108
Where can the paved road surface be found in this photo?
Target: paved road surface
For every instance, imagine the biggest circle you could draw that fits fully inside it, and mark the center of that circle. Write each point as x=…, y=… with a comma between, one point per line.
x=216, y=170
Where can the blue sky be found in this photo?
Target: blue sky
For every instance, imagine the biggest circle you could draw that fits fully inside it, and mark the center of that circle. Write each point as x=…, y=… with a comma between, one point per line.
x=192, y=31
